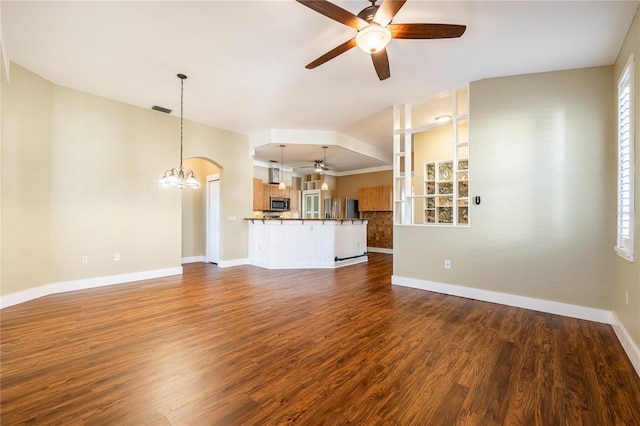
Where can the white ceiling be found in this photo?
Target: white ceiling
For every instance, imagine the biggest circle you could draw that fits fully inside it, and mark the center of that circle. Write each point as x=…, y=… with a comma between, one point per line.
x=245, y=59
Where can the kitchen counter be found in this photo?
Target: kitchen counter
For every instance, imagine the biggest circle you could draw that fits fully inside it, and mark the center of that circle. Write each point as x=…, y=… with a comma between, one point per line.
x=289, y=243
x=355, y=219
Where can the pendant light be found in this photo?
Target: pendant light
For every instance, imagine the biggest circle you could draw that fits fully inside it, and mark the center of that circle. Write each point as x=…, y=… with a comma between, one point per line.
x=178, y=178
x=324, y=186
x=281, y=185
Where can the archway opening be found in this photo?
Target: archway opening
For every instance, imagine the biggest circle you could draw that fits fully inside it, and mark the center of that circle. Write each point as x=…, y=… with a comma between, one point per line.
x=200, y=220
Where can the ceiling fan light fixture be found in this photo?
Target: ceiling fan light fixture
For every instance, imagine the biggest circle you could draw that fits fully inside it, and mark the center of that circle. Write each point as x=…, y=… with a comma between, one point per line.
x=373, y=38
x=317, y=167
x=443, y=118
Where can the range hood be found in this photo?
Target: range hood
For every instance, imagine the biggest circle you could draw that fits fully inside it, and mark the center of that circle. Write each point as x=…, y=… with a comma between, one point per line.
x=274, y=172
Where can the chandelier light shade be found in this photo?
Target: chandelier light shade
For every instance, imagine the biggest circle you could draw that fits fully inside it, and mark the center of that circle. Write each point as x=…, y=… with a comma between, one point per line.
x=282, y=185
x=324, y=185
x=373, y=38
x=177, y=177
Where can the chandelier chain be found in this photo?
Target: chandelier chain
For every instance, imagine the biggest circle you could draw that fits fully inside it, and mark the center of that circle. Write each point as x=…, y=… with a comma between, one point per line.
x=181, y=115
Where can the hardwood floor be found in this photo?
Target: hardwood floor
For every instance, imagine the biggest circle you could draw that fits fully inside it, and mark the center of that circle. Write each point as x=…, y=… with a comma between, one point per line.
x=249, y=346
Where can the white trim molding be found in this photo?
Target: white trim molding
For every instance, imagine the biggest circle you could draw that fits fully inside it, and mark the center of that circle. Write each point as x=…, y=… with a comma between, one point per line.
x=627, y=343
x=62, y=287
x=548, y=306
x=380, y=250
x=193, y=259
x=233, y=262
x=221, y=263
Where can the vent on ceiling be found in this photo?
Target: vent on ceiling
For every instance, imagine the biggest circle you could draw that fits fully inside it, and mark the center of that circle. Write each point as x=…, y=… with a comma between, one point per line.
x=161, y=109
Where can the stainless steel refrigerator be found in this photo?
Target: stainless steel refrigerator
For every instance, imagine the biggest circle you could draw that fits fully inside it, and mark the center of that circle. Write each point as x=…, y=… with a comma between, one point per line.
x=341, y=208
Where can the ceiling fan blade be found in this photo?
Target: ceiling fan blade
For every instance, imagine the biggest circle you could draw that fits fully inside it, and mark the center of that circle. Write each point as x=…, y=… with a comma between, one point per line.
x=381, y=64
x=332, y=53
x=387, y=11
x=336, y=13
x=426, y=31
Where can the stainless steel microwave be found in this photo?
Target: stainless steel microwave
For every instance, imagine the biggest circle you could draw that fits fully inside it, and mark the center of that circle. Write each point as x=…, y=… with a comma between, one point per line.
x=278, y=204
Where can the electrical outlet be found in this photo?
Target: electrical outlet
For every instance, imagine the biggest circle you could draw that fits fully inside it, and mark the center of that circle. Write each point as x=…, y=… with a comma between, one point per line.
x=84, y=259
x=116, y=257
x=626, y=296
x=447, y=264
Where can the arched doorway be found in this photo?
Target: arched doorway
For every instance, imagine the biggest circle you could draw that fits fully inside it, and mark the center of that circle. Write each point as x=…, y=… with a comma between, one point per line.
x=201, y=215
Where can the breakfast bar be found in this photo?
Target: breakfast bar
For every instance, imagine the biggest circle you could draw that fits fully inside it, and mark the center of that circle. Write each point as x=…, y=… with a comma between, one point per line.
x=283, y=243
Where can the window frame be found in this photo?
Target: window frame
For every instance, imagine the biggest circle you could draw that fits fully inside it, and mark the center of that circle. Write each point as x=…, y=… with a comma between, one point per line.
x=625, y=177
x=406, y=127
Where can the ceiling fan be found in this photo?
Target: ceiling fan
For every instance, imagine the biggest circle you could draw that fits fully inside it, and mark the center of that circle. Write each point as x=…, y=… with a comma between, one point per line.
x=375, y=30
x=318, y=166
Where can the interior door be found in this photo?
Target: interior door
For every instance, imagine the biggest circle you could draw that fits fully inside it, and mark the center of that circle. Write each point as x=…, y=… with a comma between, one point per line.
x=213, y=219
x=311, y=204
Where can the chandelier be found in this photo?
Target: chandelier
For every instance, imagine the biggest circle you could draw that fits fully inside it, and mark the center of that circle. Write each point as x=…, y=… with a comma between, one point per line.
x=178, y=178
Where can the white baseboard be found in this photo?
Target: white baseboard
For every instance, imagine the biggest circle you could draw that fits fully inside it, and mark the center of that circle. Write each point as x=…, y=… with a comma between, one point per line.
x=61, y=287
x=233, y=262
x=557, y=308
x=379, y=250
x=221, y=263
x=627, y=343
x=328, y=264
x=193, y=259
x=548, y=306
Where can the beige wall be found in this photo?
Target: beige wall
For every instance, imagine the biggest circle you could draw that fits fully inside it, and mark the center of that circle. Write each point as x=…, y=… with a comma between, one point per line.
x=626, y=277
x=79, y=177
x=26, y=182
x=347, y=186
x=540, y=158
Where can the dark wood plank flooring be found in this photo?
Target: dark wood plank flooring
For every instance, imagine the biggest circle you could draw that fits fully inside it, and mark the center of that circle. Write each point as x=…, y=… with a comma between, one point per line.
x=249, y=346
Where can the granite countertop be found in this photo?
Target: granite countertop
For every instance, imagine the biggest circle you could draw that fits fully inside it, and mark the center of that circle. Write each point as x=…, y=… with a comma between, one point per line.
x=358, y=219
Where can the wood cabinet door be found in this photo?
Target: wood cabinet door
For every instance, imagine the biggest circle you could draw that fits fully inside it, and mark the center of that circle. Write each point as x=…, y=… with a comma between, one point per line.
x=257, y=194
x=266, y=193
x=385, y=198
x=293, y=196
x=363, y=200
x=375, y=199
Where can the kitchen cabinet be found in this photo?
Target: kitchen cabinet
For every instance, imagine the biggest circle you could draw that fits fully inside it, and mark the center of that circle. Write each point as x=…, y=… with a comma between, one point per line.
x=266, y=194
x=257, y=194
x=293, y=195
x=307, y=243
x=375, y=199
x=268, y=190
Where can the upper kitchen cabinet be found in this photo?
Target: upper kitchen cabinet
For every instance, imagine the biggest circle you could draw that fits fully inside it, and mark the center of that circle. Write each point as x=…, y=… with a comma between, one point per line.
x=265, y=191
x=375, y=199
x=257, y=194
